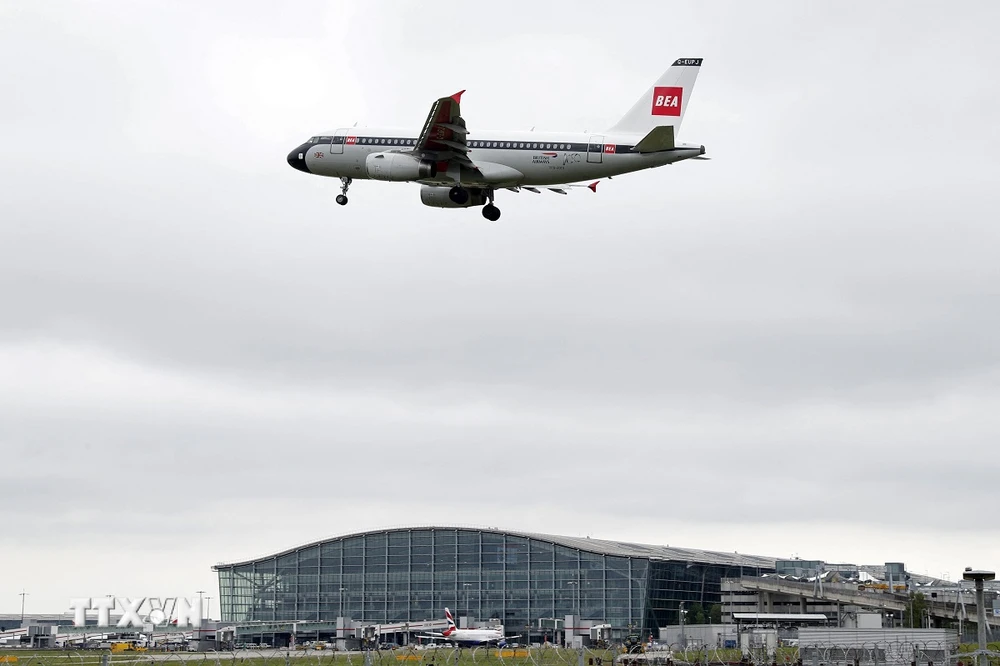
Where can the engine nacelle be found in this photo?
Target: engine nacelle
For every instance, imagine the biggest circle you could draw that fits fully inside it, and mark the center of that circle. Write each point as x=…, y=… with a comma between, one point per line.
x=398, y=167
x=437, y=196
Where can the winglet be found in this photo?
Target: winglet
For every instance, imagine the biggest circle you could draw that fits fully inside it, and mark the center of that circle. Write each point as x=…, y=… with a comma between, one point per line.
x=458, y=97
x=593, y=186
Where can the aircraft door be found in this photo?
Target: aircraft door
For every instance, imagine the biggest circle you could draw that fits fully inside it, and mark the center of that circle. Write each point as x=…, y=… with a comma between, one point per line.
x=595, y=150
x=337, y=142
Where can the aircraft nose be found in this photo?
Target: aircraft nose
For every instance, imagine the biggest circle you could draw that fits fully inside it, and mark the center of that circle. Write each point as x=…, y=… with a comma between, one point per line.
x=297, y=159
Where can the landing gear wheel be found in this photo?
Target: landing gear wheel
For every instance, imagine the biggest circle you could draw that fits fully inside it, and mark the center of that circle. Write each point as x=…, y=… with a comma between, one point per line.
x=459, y=195
x=345, y=184
x=491, y=212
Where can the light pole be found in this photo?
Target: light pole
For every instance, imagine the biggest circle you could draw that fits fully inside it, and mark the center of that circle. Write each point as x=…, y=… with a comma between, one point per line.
x=201, y=607
x=573, y=593
x=23, y=595
x=201, y=602
x=468, y=611
x=980, y=577
x=340, y=619
x=208, y=603
x=680, y=620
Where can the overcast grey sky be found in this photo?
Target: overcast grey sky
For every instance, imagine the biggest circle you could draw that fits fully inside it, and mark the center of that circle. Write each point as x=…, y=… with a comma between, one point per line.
x=791, y=349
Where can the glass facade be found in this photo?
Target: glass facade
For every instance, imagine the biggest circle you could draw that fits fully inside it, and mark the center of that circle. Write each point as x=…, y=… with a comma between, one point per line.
x=412, y=574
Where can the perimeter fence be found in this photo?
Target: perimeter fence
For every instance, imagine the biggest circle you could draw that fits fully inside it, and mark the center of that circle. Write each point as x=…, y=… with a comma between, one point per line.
x=884, y=653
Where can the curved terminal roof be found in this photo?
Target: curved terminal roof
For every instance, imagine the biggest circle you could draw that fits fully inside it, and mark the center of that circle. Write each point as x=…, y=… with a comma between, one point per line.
x=598, y=546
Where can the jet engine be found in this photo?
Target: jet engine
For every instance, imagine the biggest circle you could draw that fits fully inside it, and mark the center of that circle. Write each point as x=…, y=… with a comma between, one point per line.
x=438, y=196
x=398, y=167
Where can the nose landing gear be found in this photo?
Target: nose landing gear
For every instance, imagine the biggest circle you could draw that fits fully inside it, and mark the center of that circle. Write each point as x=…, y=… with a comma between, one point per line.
x=345, y=184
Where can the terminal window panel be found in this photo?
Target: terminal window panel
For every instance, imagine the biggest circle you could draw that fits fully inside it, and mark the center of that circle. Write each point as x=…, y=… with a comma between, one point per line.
x=468, y=551
x=541, y=554
x=226, y=592
x=442, y=599
x=375, y=552
x=542, y=580
x=331, y=551
x=309, y=560
x=542, y=604
x=416, y=538
x=491, y=604
x=446, y=561
x=567, y=559
x=264, y=590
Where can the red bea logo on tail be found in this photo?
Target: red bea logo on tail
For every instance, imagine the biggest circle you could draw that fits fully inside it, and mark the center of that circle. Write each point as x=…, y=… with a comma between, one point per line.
x=667, y=100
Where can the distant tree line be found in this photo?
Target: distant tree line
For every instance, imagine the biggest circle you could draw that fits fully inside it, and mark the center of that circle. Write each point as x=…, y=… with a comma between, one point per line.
x=695, y=614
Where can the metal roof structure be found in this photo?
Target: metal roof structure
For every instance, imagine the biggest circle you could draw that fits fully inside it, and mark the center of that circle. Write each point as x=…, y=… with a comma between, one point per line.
x=598, y=546
x=782, y=617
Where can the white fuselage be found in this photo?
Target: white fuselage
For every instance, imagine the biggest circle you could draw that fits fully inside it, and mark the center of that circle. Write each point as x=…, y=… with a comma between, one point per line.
x=536, y=158
x=475, y=636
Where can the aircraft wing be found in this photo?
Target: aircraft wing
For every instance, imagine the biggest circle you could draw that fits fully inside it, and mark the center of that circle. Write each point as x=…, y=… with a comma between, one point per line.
x=442, y=138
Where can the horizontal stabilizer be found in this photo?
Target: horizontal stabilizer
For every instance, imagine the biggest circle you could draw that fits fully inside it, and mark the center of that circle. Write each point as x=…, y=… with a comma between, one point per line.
x=659, y=138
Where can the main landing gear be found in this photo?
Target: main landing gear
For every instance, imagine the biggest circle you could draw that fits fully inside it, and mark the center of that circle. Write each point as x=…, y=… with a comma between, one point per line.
x=463, y=197
x=345, y=184
x=491, y=212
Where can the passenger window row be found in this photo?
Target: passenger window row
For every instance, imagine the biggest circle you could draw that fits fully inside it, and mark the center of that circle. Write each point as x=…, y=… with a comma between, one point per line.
x=516, y=144
x=371, y=141
x=387, y=142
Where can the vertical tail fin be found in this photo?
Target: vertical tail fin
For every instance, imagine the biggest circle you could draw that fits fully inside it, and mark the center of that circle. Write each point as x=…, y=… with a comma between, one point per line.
x=451, y=622
x=665, y=102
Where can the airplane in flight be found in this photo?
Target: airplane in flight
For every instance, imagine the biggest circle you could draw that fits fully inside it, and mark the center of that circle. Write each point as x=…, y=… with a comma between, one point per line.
x=466, y=636
x=457, y=168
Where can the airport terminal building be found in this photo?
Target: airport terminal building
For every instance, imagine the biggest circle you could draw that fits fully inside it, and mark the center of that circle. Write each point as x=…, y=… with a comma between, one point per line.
x=516, y=578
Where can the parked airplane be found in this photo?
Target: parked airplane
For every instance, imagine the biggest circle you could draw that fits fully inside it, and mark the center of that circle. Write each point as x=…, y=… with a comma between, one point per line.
x=466, y=636
x=457, y=168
